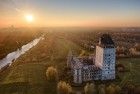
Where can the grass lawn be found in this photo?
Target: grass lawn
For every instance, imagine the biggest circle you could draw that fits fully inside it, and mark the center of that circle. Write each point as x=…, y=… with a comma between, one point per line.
x=27, y=79
x=11, y=40
x=132, y=74
x=27, y=74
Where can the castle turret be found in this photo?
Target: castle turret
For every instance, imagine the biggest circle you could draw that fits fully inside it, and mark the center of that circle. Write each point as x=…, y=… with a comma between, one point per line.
x=105, y=57
x=69, y=59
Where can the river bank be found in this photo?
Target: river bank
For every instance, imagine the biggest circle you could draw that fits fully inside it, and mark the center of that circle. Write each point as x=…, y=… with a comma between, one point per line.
x=14, y=55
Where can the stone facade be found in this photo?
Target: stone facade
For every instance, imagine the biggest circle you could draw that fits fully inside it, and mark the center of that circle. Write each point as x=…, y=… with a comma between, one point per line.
x=105, y=60
x=100, y=67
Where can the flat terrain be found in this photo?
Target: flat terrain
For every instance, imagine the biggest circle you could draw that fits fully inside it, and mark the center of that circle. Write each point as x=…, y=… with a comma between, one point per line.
x=12, y=39
x=132, y=65
x=27, y=74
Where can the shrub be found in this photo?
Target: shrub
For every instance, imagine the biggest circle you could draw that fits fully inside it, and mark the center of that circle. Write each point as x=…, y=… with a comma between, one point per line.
x=113, y=89
x=52, y=74
x=64, y=88
x=89, y=88
x=110, y=89
x=101, y=89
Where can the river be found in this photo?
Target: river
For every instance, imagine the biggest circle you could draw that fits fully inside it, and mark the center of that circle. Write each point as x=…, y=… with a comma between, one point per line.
x=8, y=60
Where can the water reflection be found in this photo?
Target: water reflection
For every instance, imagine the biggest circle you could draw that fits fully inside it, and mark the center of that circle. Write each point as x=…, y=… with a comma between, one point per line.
x=14, y=55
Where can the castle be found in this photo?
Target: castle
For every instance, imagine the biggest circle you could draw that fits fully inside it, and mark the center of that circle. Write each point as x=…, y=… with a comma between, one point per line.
x=100, y=67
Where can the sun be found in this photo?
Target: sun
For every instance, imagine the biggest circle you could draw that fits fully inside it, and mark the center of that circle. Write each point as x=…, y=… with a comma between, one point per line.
x=29, y=17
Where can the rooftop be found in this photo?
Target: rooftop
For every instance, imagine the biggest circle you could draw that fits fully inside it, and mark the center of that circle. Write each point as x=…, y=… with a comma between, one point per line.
x=106, y=41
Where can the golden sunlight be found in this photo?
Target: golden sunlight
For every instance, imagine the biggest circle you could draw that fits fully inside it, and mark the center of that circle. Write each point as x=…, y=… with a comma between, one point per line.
x=29, y=17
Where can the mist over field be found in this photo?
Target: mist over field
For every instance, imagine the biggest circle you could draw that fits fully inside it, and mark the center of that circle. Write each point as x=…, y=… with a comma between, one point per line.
x=69, y=46
x=27, y=73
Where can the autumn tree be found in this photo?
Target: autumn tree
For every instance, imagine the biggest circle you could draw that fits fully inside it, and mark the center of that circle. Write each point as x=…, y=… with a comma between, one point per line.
x=113, y=89
x=63, y=88
x=110, y=89
x=52, y=73
x=130, y=88
x=117, y=89
x=89, y=88
x=101, y=89
x=137, y=47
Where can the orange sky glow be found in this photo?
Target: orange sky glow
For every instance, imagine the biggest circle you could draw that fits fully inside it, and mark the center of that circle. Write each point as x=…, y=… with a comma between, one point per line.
x=70, y=13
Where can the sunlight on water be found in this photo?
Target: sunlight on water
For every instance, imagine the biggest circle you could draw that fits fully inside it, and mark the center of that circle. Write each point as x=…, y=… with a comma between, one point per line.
x=14, y=55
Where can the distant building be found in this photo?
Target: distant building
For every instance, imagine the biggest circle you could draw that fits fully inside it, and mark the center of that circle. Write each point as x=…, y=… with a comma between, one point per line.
x=99, y=67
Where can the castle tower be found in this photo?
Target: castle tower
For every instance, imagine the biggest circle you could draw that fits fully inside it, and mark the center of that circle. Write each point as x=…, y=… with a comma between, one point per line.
x=69, y=58
x=76, y=66
x=77, y=72
x=105, y=57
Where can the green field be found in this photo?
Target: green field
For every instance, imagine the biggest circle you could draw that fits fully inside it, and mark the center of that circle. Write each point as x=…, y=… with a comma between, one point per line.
x=12, y=39
x=27, y=79
x=27, y=74
x=132, y=66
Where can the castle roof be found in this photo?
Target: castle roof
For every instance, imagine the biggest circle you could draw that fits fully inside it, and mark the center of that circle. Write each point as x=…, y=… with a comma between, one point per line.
x=106, y=41
x=79, y=62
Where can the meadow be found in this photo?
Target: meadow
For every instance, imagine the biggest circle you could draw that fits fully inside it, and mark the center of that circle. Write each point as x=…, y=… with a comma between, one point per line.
x=132, y=67
x=12, y=39
x=27, y=75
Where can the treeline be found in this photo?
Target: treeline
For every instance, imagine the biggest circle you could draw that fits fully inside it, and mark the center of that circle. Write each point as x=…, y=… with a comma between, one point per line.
x=91, y=88
x=122, y=51
x=127, y=43
x=64, y=87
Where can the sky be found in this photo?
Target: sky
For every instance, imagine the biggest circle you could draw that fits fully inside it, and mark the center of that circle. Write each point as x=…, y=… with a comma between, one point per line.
x=53, y=13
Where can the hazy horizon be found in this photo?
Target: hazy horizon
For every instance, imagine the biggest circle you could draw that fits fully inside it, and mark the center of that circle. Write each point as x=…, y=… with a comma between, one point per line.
x=70, y=13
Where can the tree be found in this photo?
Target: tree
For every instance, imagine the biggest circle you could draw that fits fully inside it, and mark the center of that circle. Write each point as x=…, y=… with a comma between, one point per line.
x=137, y=46
x=120, y=67
x=110, y=89
x=130, y=89
x=137, y=90
x=89, y=88
x=117, y=89
x=64, y=88
x=113, y=89
x=52, y=74
x=101, y=89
